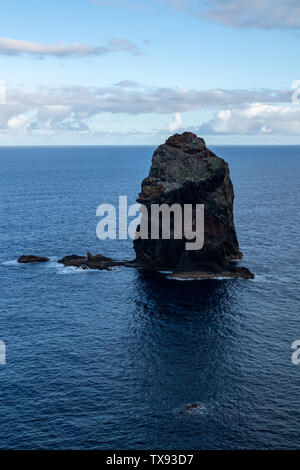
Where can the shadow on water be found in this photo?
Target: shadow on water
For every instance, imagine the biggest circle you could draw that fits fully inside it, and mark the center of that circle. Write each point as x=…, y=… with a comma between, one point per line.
x=183, y=341
x=182, y=347
x=169, y=300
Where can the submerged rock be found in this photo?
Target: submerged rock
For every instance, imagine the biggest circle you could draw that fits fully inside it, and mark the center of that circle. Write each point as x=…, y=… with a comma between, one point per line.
x=195, y=407
x=185, y=171
x=32, y=259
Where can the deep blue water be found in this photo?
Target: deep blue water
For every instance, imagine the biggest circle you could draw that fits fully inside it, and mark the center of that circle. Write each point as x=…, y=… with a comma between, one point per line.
x=110, y=360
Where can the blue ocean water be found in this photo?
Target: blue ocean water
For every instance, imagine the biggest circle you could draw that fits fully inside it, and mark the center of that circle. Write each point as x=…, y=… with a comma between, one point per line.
x=110, y=360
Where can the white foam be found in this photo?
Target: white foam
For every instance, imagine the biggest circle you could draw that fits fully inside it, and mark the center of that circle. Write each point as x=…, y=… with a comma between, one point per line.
x=172, y=278
x=13, y=262
x=271, y=278
x=61, y=269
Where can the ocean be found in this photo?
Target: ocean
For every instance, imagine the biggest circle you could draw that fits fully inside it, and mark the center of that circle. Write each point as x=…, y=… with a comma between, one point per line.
x=111, y=360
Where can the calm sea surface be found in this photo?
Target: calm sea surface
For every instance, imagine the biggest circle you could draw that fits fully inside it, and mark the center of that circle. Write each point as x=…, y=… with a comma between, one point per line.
x=110, y=360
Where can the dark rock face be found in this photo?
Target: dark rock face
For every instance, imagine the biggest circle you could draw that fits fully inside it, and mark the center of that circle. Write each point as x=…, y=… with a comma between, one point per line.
x=94, y=262
x=184, y=171
x=32, y=259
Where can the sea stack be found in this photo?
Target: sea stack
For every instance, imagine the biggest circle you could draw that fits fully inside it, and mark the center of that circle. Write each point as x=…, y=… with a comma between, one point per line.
x=185, y=171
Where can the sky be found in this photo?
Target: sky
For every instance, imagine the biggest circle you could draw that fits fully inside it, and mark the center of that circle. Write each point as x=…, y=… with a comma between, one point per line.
x=126, y=72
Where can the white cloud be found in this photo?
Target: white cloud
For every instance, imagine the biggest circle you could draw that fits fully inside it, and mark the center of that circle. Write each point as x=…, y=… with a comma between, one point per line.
x=256, y=118
x=77, y=108
x=17, y=47
x=127, y=84
x=2, y=92
x=176, y=124
x=262, y=14
x=86, y=101
x=17, y=122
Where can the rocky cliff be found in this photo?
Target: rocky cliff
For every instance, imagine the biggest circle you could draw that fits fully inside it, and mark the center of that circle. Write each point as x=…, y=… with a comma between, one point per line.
x=185, y=171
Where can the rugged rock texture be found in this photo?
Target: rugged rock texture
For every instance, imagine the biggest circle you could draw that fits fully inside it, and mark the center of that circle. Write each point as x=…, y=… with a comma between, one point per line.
x=32, y=259
x=184, y=171
x=94, y=262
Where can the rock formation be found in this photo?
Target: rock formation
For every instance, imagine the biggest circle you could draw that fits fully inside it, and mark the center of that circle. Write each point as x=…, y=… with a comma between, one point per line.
x=184, y=171
x=91, y=262
x=32, y=259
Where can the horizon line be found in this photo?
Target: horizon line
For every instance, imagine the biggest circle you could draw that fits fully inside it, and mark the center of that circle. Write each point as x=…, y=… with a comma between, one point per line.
x=136, y=145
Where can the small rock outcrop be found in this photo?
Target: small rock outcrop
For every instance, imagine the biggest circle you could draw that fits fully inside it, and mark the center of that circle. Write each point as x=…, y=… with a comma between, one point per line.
x=89, y=261
x=194, y=406
x=185, y=171
x=32, y=259
x=93, y=262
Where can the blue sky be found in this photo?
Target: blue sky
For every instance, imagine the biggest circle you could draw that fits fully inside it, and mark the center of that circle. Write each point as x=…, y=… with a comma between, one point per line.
x=135, y=71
